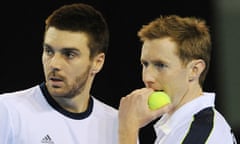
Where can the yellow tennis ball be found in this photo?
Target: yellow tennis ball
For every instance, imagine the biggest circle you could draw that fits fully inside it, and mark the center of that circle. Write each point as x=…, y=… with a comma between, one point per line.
x=158, y=99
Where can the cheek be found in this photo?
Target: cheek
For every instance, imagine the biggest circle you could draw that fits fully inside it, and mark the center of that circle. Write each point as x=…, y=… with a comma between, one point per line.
x=44, y=63
x=179, y=78
x=77, y=70
x=175, y=80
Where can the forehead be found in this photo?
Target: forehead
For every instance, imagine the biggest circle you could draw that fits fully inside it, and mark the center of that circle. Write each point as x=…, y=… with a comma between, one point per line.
x=63, y=39
x=163, y=48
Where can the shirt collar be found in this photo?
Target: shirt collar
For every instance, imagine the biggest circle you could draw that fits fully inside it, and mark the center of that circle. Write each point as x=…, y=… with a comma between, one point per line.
x=168, y=122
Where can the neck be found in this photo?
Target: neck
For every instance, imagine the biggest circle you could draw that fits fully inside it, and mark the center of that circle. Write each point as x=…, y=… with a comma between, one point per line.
x=76, y=104
x=194, y=91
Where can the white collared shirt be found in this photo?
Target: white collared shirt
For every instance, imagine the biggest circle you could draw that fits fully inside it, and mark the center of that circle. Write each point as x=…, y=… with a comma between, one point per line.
x=26, y=117
x=172, y=129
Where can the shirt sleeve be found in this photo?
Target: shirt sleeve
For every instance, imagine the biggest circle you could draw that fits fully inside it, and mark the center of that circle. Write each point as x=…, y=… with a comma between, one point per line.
x=5, y=125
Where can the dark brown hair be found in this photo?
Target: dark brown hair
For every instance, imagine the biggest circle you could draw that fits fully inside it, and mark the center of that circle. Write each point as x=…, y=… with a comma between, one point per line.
x=79, y=17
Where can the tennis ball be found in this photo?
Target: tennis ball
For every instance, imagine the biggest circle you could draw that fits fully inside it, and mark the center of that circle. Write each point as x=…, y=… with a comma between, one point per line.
x=158, y=99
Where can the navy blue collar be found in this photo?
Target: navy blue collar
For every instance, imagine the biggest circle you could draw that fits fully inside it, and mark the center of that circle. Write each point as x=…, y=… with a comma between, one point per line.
x=57, y=107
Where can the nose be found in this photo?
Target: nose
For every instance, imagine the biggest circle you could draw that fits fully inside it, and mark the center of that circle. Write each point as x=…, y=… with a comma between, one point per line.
x=148, y=75
x=56, y=62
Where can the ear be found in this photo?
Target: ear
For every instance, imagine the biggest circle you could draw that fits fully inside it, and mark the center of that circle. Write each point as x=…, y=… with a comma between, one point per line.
x=195, y=67
x=98, y=62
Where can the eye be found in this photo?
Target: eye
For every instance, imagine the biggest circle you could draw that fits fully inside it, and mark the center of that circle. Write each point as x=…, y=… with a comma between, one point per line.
x=160, y=65
x=70, y=54
x=48, y=51
x=144, y=63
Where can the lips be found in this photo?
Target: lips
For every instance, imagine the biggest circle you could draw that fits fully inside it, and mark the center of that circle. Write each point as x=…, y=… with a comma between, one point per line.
x=56, y=81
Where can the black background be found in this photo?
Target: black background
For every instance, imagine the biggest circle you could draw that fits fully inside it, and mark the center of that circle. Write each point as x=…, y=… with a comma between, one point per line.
x=22, y=28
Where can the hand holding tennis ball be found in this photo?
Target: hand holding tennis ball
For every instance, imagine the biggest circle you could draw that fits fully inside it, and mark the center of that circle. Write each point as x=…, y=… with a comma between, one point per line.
x=158, y=99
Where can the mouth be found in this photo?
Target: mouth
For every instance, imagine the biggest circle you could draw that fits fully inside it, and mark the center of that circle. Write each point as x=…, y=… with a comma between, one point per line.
x=158, y=90
x=56, y=81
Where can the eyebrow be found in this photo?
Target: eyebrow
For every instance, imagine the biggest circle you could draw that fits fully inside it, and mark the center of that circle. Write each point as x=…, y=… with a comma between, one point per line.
x=62, y=49
x=154, y=61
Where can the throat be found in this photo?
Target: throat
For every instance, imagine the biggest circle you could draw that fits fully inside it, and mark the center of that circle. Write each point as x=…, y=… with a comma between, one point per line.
x=74, y=105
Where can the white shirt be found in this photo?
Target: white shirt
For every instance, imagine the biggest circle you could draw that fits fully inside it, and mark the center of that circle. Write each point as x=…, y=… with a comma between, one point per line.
x=202, y=116
x=31, y=117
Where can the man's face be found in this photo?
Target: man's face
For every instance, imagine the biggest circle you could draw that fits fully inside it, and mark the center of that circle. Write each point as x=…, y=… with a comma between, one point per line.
x=66, y=62
x=163, y=70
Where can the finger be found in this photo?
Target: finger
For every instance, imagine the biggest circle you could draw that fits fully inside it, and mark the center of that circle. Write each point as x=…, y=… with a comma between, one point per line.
x=163, y=110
